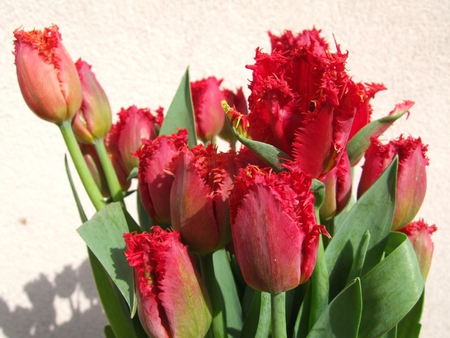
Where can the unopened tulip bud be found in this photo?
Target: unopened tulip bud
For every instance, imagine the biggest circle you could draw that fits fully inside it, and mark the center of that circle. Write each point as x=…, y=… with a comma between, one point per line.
x=93, y=121
x=47, y=76
x=172, y=300
x=419, y=233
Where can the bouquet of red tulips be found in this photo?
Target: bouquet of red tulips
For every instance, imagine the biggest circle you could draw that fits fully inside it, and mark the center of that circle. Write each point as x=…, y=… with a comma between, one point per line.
x=263, y=237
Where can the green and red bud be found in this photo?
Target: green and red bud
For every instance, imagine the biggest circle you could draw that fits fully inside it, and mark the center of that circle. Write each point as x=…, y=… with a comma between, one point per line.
x=93, y=121
x=47, y=76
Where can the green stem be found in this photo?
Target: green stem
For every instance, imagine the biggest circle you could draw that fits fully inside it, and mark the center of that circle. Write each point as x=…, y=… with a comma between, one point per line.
x=81, y=166
x=278, y=315
x=108, y=169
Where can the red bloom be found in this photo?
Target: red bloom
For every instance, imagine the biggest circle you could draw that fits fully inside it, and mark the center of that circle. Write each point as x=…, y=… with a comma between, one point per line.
x=93, y=121
x=209, y=115
x=303, y=102
x=199, y=206
x=134, y=125
x=47, y=76
x=419, y=233
x=411, y=178
x=154, y=180
x=274, y=228
x=172, y=299
x=289, y=41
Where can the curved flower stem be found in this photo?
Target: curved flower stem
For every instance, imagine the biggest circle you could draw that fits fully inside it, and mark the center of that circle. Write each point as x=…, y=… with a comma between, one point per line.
x=108, y=169
x=81, y=166
x=278, y=315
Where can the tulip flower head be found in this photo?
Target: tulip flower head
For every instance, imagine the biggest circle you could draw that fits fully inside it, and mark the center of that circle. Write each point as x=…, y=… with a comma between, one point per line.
x=47, y=76
x=199, y=196
x=274, y=229
x=411, y=178
x=172, y=299
x=155, y=181
x=93, y=121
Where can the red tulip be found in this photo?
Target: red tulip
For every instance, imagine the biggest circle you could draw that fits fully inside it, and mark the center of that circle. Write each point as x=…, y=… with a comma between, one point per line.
x=419, y=233
x=209, y=115
x=411, y=178
x=338, y=189
x=199, y=196
x=288, y=41
x=47, y=76
x=303, y=102
x=134, y=125
x=172, y=299
x=155, y=181
x=274, y=228
x=93, y=121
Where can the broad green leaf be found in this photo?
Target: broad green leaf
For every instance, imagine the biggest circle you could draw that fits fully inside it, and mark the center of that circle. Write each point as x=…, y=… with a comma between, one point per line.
x=104, y=236
x=358, y=261
x=342, y=316
x=319, y=193
x=257, y=321
x=372, y=212
x=410, y=326
x=181, y=112
x=319, y=286
x=361, y=140
x=391, y=288
x=108, y=332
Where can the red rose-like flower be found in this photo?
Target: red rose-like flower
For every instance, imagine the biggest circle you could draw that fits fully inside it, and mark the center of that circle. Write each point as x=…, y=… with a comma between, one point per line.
x=274, y=228
x=338, y=189
x=411, y=178
x=154, y=180
x=134, y=125
x=419, y=233
x=199, y=196
x=209, y=115
x=93, y=121
x=47, y=76
x=303, y=102
x=172, y=299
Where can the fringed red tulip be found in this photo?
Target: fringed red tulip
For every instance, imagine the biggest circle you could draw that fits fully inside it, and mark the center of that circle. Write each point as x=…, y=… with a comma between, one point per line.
x=172, y=299
x=419, y=233
x=93, y=121
x=274, y=228
x=199, y=196
x=155, y=181
x=411, y=178
x=47, y=76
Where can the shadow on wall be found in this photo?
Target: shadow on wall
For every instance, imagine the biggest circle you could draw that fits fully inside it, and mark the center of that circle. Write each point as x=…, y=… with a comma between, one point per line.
x=73, y=288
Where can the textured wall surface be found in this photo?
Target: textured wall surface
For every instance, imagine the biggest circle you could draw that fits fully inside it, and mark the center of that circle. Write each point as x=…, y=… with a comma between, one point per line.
x=139, y=51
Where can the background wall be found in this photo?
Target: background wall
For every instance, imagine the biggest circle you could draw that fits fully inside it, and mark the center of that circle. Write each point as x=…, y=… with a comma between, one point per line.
x=139, y=51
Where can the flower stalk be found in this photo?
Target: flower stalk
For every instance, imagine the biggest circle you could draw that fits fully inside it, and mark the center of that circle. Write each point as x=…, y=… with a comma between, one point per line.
x=278, y=302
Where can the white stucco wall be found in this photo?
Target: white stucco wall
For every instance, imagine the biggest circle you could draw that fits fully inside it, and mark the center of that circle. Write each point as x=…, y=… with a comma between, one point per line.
x=139, y=50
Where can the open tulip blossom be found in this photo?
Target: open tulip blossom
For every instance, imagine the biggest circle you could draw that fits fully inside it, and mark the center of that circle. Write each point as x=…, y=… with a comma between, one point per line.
x=263, y=236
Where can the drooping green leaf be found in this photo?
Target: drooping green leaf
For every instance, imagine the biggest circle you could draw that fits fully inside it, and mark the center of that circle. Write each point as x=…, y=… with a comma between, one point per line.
x=342, y=316
x=391, y=288
x=103, y=234
x=181, y=112
x=361, y=140
x=74, y=192
x=372, y=212
x=409, y=327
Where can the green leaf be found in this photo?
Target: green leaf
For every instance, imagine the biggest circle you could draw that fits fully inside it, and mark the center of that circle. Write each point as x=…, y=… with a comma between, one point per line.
x=391, y=288
x=372, y=212
x=257, y=322
x=410, y=326
x=109, y=332
x=301, y=327
x=361, y=140
x=342, y=316
x=181, y=112
x=358, y=261
x=74, y=192
x=104, y=236
x=319, y=193
x=133, y=173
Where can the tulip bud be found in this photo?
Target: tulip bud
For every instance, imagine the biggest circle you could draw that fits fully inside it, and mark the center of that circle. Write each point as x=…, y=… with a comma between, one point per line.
x=93, y=121
x=209, y=116
x=411, y=177
x=419, y=233
x=199, y=206
x=134, y=125
x=172, y=300
x=338, y=189
x=274, y=228
x=47, y=76
x=154, y=180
